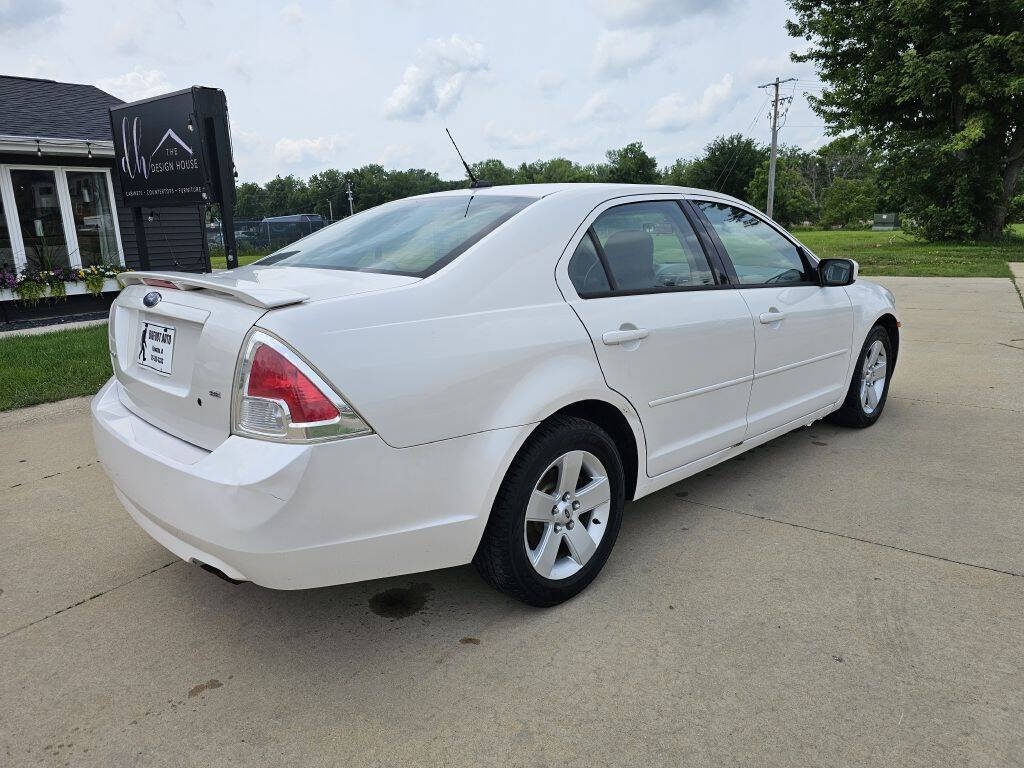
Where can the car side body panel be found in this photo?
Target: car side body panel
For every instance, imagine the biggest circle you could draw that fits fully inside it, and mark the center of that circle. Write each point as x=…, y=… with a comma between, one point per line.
x=487, y=342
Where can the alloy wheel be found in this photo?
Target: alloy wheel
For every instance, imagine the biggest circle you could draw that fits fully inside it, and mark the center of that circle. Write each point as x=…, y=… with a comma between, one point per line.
x=567, y=515
x=873, y=375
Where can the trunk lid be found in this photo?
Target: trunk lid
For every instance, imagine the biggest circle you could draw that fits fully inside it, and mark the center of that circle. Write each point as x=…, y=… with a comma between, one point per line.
x=180, y=377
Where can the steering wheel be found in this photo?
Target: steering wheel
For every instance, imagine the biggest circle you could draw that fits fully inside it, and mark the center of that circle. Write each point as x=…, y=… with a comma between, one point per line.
x=789, y=276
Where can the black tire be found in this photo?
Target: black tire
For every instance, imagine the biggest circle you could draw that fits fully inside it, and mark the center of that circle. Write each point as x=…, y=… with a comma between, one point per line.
x=502, y=557
x=852, y=413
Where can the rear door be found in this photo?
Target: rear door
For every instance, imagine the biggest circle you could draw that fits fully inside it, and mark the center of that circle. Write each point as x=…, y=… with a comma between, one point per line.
x=670, y=334
x=803, y=331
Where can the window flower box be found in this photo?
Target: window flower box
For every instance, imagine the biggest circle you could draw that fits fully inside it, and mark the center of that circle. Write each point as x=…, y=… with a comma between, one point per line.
x=30, y=287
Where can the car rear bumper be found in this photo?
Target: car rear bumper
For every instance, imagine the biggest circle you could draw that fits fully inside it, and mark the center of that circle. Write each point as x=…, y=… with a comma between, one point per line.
x=297, y=516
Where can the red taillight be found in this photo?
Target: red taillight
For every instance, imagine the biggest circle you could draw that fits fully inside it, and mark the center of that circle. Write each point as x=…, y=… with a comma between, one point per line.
x=157, y=283
x=273, y=376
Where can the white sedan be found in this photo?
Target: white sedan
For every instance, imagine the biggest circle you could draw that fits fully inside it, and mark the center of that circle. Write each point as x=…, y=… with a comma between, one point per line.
x=481, y=375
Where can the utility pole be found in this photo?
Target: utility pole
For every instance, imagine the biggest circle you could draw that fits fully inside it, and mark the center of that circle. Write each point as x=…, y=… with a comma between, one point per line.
x=775, y=140
x=348, y=191
x=330, y=207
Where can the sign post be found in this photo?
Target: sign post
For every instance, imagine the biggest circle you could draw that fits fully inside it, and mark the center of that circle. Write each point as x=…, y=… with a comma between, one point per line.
x=175, y=150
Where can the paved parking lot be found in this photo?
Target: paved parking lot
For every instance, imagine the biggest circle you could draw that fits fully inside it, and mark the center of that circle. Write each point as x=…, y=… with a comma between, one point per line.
x=834, y=597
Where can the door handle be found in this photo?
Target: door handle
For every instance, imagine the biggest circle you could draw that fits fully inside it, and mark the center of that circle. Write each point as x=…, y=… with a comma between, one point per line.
x=624, y=337
x=772, y=317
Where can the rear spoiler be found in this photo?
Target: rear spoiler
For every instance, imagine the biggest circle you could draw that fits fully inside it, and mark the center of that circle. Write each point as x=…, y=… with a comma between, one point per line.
x=244, y=290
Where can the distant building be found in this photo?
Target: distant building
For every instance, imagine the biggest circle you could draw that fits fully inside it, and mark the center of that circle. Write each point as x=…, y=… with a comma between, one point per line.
x=885, y=221
x=59, y=196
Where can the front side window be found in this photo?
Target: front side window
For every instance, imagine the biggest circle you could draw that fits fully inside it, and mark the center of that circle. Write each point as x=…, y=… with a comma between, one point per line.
x=759, y=254
x=39, y=218
x=94, y=217
x=651, y=245
x=412, y=237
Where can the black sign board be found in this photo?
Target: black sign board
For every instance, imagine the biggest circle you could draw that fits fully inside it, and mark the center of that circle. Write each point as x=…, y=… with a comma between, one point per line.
x=175, y=150
x=158, y=146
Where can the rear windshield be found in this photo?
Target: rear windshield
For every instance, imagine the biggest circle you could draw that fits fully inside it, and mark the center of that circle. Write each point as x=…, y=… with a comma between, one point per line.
x=412, y=237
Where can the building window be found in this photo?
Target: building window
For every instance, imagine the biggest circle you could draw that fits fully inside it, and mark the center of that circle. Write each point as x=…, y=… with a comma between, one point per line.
x=39, y=218
x=57, y=217
x=93, y=214
x=6, y=249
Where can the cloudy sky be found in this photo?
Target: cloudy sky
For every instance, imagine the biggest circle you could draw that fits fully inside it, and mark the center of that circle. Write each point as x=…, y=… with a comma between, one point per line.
x=314, y=84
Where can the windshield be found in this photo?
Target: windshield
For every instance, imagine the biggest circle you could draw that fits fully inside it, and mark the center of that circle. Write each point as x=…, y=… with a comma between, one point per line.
x=414, y=237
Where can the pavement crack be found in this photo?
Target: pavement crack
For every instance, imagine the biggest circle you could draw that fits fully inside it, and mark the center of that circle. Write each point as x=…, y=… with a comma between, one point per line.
x=847, y=536
x=88, y=599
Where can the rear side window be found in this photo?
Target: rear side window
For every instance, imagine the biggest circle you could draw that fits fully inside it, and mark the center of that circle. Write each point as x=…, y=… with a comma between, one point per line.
x=412, y=237
x=759, y=254
x=585, y=269
x=650, y=246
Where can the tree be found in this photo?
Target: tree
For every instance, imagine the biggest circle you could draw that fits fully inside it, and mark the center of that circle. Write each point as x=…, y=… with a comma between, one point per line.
x=249, y=201
x=327, y=193
x=1016, y=213
x=792, y=204
x=284, y=195
x=937, y=86
x=632, y=165
x=678, y=174
x=847, y=202
x=494, y=171
x=727, y=165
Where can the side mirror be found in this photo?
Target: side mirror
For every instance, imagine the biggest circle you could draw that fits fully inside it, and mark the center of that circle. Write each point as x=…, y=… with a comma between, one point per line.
x=837, y=271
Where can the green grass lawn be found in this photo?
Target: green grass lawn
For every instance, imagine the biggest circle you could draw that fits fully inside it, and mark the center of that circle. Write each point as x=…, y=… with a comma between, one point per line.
x=897, y=253
x=52, y=366
x=219, y=261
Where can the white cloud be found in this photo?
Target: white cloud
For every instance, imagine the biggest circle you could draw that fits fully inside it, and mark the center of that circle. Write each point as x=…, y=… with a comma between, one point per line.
x=617, y=53
x=658, y=13
x=636, y=32
x=321, y=149
x=239, y=66
x=15, y=14
x=396, y=155
x=503, y=137
x=37, y=66
x=548, y=80
x=434, y=84
x=123, y=39
x=599, y=107
x=674, y=112
x=247, y=141
x=293, y=13
x=137, y=84
x=574, y=144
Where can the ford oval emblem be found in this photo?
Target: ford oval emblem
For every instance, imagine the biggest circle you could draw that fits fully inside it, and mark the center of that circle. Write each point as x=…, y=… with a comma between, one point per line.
x=151, y=299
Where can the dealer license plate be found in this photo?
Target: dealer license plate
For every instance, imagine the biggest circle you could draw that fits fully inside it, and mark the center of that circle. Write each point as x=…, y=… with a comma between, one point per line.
x=156, y=347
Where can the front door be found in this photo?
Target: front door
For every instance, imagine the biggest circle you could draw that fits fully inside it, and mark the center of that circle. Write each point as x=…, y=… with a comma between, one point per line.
x=670, y=336
x=803, y=331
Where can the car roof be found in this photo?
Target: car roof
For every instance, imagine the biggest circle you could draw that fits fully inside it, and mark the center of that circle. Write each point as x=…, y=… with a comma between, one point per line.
x=597, y=191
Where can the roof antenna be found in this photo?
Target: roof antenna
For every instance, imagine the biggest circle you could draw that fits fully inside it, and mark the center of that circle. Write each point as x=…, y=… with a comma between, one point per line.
x=475, y=183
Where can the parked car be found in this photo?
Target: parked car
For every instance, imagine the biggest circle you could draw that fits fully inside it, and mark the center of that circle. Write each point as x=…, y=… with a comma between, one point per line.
x=482, y=375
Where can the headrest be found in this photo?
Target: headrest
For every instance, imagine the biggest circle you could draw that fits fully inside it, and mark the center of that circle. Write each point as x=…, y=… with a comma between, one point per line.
x=630, y=255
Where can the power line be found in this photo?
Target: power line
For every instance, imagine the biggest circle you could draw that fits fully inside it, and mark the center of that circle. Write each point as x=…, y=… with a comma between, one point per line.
x=735, y=155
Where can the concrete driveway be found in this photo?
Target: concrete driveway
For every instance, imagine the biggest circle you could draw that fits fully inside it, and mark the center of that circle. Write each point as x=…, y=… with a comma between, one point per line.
x=835, y=597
